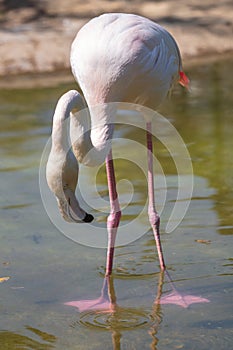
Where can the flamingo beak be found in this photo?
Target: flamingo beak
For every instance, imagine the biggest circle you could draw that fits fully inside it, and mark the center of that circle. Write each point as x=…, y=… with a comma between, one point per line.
x=64, y=210
x=70, y=209
x=184, y=80
x=74, y=218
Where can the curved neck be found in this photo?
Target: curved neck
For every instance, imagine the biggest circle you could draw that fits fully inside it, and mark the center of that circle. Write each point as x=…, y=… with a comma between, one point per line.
x=70, y=100
x=91, y=134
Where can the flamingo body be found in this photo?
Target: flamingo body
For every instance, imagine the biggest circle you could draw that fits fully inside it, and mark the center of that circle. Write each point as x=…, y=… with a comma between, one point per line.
x=115, y=58
x=122, y=57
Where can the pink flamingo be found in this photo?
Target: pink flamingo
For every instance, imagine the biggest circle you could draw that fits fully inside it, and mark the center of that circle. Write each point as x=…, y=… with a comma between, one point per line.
x=115, y=57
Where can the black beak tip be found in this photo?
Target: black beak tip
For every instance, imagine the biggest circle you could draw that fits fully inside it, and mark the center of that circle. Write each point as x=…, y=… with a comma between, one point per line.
x=88, y=218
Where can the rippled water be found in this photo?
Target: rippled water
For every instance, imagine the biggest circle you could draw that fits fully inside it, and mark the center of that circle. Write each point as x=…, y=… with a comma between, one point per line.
x=46, y=269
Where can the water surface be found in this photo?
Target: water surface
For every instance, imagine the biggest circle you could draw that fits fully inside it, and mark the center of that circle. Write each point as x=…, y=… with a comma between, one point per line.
x=47, y=269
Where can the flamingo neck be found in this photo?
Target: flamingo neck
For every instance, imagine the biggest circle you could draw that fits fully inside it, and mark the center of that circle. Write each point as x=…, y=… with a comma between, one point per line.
x=60, y=133
x=91, y=134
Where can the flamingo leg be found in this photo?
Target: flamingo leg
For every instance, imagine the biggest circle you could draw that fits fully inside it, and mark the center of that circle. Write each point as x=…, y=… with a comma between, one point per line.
x=152, y=213
x=115, y=213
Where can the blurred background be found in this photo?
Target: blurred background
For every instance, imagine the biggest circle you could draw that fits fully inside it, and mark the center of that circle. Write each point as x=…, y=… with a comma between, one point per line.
x=35, y=36
x=40, y=268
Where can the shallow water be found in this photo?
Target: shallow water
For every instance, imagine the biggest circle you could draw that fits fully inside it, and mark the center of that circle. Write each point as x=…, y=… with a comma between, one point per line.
x=46, y=269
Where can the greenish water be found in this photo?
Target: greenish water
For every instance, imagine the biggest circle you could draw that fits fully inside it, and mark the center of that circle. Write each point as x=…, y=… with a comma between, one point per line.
x=47, y=269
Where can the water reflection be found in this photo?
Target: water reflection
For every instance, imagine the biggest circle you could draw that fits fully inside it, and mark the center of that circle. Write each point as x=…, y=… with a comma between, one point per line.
x=204, y=119
x=106, y=314
x=12, y=340
x=45, y=264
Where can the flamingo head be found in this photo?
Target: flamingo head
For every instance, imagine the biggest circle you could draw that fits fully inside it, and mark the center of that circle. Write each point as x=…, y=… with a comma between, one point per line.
x=62, y=178
x=70, y=209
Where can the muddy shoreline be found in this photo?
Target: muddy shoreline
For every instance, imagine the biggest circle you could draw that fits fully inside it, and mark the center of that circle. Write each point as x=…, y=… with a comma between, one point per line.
x=35, y=37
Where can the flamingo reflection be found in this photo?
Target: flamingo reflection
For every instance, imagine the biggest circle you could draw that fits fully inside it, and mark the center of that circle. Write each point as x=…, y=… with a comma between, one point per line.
x=116, y=315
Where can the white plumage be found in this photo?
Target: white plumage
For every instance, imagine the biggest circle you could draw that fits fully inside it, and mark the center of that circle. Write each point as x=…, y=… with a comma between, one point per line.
x=115, y=57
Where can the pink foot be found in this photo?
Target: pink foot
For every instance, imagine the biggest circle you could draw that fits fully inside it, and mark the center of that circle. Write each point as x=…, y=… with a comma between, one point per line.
x=175, y=297
x=100, y=304
x=181, y=300
x=105, y=303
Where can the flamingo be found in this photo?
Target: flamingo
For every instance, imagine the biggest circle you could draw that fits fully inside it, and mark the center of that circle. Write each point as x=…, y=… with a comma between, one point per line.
x=115, y=57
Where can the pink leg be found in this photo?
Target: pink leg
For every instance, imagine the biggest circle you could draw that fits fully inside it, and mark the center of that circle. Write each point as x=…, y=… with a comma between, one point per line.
x=115, y=213
x=152, y=213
